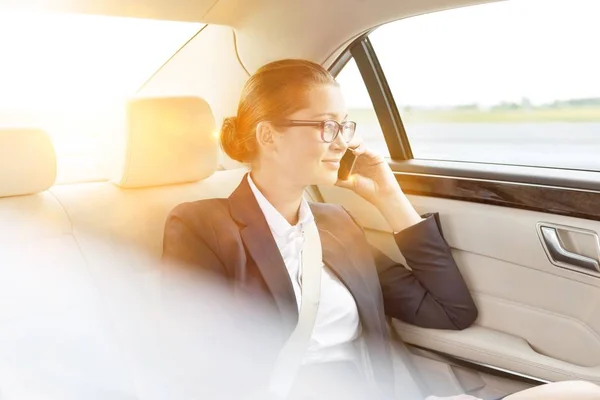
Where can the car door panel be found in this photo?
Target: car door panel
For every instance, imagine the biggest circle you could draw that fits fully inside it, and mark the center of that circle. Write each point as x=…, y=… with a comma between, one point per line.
x=536, y=319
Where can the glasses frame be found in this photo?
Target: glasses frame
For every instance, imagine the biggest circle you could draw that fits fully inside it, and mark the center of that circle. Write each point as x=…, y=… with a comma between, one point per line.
x=290, y=123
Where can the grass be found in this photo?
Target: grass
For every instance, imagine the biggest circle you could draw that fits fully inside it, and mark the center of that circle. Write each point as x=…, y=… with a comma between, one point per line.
x=571, y=114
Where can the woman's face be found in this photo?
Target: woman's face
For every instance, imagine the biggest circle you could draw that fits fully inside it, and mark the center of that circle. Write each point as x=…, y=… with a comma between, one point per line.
x=300, y=153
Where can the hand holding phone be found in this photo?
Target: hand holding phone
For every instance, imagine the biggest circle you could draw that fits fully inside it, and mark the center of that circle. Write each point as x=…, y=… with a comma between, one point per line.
x=346, y=165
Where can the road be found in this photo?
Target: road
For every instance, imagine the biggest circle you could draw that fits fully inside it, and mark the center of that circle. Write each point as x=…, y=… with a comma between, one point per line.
x=558, y=145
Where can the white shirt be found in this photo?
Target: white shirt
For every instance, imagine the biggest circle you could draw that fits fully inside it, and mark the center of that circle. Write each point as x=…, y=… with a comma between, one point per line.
x=337, y=324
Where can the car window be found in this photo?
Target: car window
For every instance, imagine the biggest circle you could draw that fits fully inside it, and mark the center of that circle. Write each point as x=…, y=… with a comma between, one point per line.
x=360, y=108
x=511, y=83
x=71, y=75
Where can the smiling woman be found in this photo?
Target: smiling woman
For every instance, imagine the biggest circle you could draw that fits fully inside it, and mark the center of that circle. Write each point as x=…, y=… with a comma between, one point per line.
x=71, y=74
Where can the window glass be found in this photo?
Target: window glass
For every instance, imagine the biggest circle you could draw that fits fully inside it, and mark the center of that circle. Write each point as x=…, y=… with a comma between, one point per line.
x=71, y=74
x=511, y=82
x=360, y=108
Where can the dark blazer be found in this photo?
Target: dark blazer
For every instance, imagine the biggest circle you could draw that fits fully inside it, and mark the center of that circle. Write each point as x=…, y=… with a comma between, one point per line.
x=231, y=238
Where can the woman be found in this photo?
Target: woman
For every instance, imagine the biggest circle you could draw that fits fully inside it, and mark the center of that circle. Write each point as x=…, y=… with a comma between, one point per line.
x=292, y=128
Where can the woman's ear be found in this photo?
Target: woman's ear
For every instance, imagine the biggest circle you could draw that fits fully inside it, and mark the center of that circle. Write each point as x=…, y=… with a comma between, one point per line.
x=265, y=135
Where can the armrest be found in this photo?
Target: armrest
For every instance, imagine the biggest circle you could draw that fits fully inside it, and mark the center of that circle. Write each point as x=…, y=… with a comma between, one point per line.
x=495, y=348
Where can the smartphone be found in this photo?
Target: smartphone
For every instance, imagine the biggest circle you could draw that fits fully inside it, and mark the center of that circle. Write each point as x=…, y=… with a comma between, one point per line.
x=346, y=165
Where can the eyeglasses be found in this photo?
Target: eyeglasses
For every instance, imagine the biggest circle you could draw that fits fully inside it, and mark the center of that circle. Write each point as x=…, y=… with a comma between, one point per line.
x=330, y=129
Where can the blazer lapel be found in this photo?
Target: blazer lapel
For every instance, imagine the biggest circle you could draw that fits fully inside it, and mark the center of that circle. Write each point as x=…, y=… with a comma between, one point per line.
x=261, y=246
x=337, y=257
x=353, y=270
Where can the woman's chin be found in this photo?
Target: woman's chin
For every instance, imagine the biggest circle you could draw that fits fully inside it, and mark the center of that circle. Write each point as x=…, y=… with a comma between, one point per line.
x=327, y=178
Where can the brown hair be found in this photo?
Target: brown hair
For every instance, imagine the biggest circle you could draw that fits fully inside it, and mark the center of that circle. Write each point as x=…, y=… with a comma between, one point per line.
x=274, y=91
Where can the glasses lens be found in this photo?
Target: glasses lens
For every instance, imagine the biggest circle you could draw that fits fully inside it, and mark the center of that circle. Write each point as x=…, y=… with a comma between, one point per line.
x=330, y=130
x=348, y=130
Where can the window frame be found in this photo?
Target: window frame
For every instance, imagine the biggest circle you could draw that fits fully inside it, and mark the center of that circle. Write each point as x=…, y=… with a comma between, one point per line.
x=550, y=190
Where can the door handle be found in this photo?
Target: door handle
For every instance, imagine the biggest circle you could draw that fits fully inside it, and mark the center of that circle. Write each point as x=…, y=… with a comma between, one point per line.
x=563, y=257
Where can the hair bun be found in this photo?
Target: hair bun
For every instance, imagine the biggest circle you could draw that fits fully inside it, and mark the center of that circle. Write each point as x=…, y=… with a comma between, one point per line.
x=230, y=139
x=230, y=123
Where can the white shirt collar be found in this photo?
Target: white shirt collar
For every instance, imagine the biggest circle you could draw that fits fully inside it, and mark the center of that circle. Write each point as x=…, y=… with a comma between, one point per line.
x=278, y=224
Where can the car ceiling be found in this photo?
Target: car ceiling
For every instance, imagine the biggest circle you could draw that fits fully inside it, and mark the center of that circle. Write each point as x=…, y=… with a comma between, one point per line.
x=313, y=29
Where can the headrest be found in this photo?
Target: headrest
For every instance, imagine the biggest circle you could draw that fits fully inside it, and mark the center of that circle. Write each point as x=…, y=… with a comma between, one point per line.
x=27, y=161
x=169, y=140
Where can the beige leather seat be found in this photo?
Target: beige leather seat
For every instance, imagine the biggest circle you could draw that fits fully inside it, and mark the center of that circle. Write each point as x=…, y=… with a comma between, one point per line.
x=79, y=263
x=55, y=337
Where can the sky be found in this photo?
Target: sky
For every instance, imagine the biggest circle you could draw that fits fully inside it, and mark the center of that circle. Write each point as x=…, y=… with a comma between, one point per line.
x=540, y=49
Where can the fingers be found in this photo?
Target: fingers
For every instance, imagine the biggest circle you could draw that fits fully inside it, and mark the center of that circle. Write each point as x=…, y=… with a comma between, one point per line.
x=358, y=148
x=354, y=143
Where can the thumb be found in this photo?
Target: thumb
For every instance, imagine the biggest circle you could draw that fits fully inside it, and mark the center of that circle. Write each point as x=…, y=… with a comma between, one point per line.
x=346, y=184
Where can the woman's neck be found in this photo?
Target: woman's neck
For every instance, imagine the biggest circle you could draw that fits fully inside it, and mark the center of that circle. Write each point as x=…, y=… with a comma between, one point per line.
x=284, y=196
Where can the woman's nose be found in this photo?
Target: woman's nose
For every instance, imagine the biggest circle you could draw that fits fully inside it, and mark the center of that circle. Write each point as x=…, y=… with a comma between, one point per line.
x=340, y=143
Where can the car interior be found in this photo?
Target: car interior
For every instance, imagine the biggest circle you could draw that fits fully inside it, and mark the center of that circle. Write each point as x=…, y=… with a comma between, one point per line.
x=524, y=237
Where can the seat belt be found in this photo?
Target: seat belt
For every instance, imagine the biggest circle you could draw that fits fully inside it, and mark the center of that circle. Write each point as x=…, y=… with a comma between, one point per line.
x=290, y=357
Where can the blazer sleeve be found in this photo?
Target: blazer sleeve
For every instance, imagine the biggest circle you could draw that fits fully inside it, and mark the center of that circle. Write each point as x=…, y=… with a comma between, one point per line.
x=433, y=293
x=190, y=242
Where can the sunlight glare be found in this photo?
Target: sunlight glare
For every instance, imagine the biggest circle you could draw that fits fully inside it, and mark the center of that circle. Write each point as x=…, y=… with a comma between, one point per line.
x=55, y=60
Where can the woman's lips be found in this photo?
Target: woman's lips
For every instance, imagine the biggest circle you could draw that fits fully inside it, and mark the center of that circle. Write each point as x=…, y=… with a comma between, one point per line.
x=332, y=163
